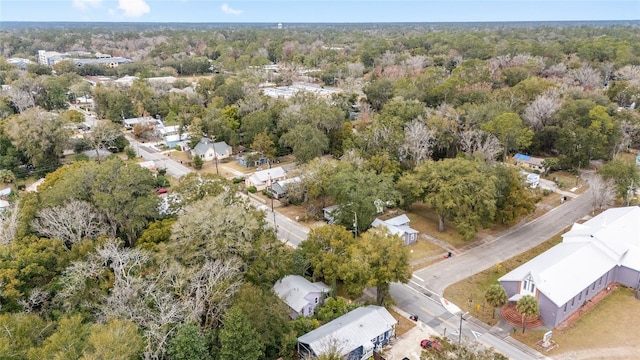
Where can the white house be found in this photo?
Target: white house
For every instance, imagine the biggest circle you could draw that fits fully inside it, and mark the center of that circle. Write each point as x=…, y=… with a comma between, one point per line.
x=355, y=334
x=263, y=178
x=209, y=150
x=592, y=255
x=301, y=295
x=398, y=225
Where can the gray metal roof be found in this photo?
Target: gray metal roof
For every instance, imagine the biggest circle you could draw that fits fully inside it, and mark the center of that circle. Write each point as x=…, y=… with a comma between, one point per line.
x=350, y=331
x=205, y=144
x=293, y=289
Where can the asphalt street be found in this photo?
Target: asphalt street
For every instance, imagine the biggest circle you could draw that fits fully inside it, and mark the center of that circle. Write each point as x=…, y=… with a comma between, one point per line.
x=173, y=167
x=509, y=244
x=422, y=295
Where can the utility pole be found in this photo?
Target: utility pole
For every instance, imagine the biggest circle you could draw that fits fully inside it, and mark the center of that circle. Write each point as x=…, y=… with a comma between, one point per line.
x=460, y=330
x=215, y=154
x=272, y=210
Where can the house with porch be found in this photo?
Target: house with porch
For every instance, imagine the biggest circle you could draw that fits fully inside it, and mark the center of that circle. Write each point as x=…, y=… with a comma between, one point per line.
x=209, y=150
x=398, y=225
x=355, y=335
x=301, y=295
x=592, y=255
x=264, y=178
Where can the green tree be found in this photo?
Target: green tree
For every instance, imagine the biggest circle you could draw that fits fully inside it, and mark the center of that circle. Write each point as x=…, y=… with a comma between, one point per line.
x=326, y=249
x=266, y=313
x=122, y=191
x=41, y=137
x=117, y=339
x=21, y=332
x=238, y=339
x=513, y=197
x=496, y=297
x=157, y=232
x=387, y=260
x=378, y=93
x=197, y=162
x=625, y=174
x=263, y=144
x=355, y=191
x=460, y=190
x=333, y=308
x=188, y=343
x=527, y=306
x=67, y=342
x=29, y=263
x=306, y=142
x=204, y=232
x=510, y=130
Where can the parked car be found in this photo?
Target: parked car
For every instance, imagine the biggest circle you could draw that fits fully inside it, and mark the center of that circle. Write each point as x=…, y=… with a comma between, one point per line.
x=430, y=344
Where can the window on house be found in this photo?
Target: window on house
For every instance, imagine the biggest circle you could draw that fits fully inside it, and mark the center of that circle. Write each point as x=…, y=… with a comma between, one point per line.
x=573, y=301
x=600, y=282
x=316, y=300
x=587, y=293
x=580, y=296
x=565, y=307
x=594, y=286
x=381, y=337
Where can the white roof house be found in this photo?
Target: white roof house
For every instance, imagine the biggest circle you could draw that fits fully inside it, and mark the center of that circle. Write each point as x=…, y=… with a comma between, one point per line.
x=605, y=247
x=264, y=178
x=351, y=331
x=398, y=225
x=296, y=291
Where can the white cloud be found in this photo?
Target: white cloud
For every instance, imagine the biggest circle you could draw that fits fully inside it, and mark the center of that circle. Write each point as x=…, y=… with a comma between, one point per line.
x=228, y=10
x=133, y=8
x=83, y=4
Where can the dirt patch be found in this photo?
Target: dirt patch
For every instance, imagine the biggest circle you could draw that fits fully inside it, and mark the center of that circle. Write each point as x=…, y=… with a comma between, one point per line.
x=404, y=324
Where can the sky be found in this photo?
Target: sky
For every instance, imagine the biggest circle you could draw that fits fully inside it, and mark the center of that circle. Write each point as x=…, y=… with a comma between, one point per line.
x=316, y=11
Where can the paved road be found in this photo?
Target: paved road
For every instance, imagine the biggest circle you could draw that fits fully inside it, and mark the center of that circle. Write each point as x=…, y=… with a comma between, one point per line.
x=511, y=243
x=420, y=301
x=173, y=167
x=422, y=295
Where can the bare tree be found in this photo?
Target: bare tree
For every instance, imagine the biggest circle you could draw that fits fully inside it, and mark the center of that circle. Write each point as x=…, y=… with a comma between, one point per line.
x=419, y=141
x=540, y=111
x=21, y=99
x=103, y=136
x=211, y=290
x=37, y=298
x=355, y=70
x=71, y=222
x=603, y=192
x=387, y=59
x=586, y=76
x=630, y=73
x=480, y=142
x=8, y=225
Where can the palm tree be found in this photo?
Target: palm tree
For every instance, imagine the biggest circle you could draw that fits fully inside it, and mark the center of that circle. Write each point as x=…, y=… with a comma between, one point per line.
x=496, y=297
x=527, y=306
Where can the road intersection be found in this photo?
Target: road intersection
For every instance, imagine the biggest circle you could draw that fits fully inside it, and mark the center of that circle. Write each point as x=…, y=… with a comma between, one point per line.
x=422, y=296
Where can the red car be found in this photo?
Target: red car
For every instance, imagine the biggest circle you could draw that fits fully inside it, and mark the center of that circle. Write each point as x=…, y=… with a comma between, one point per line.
x=430, y=344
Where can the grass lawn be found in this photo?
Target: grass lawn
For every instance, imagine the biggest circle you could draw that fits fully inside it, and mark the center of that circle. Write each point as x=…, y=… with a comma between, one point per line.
x=469, y=293
x=423, y=249
x=614, y=322
x=425, y=221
